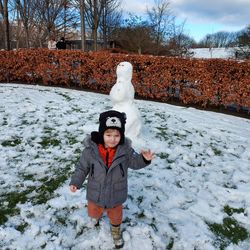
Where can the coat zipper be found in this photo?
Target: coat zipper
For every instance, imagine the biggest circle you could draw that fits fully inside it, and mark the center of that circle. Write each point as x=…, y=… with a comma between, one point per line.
x=92, y=170
x=122, y=170
x=107, y=159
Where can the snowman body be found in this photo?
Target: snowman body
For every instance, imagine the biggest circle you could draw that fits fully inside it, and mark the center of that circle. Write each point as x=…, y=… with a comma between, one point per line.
x=122, y=97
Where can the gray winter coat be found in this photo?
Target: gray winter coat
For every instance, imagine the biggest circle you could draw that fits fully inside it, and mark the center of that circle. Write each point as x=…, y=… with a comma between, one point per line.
x=106, y=187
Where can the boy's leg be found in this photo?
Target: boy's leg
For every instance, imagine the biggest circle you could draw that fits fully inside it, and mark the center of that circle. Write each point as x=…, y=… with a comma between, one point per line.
x=115, y=217
x=95, y=212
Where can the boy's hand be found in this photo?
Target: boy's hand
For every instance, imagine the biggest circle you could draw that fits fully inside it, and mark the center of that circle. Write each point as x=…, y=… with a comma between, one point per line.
x=148, y=155
x=73, y=188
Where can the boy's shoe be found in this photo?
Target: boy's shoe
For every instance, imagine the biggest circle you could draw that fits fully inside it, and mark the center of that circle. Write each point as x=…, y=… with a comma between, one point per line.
x=117, y=236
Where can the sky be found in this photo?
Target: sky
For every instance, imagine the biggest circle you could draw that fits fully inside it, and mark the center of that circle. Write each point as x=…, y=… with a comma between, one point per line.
x=201, y=17
x=194, y=195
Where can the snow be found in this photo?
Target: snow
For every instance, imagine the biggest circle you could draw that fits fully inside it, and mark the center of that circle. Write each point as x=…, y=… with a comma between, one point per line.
x=223, y=53
x=201, y=168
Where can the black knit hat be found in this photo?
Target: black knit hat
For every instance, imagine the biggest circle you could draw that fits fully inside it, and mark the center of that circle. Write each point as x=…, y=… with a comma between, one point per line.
x=112, y=119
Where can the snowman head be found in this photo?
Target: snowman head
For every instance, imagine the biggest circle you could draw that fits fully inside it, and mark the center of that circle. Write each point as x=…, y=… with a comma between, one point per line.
x=124, y=71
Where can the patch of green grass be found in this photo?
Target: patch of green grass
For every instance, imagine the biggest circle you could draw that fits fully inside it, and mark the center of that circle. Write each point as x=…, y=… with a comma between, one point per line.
x=4, y=121
x=77, y=151
x=179, y=136
x=49, y=141
x=230, y=185
x=189, y=145
x=43, y=193
x=230, y=231
x=12, y=199
x=216, y=151
x=28, y=177
x=153, y=226
x=43, y=246
x=169, y=161
x=162, y=116
x=170, y=244
x=49, y=185
x=61, y=220
x=230, y=210
x=44, y=90
x=68, y=98
x=163, y=155
x=18, y=158
x=48, y=130
x=25, y=122
x=21, y=227
x=178, y=184
x=72, y=140
x=157, y=198
x=139, y=199
x=71, y=123
x=140, y=215
x=173, y=227
x=91, y=117
x=14, y=141
x=162, y=133
x=77, y=110
x=5, y=212
x=146, y=121
x=127, y=220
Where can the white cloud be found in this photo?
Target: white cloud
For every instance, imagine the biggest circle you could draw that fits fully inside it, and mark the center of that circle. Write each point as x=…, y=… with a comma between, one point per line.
x=224, y=12
x=138, y=7
x=212, y=15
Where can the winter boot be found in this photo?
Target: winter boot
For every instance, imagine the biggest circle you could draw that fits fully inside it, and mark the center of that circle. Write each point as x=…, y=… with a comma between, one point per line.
x=117, y=236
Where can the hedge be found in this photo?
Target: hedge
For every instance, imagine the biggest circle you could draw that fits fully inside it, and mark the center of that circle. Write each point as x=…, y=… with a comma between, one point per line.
x=205, y=82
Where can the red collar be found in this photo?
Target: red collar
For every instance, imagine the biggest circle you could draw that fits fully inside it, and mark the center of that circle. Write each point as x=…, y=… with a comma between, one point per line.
x=107, y=154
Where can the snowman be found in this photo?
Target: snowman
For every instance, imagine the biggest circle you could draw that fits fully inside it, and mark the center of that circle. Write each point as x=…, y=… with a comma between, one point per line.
x=122, y=96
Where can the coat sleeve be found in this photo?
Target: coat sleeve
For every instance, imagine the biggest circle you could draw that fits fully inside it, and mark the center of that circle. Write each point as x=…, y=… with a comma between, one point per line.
x=81, y=171
x=137, y=161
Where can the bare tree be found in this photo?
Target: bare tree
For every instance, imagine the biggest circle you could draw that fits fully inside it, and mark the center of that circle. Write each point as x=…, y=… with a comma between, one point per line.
x=179, y=43
x=111, y=19
x=80, y=6
x=218, y=40
x=1, y=8
x=5, y=14
x=54, y=17
x=243, y=44
x=26, y=9
x=94, y=9
x=160, y=17
x=83, y=32
x=100, y=16
x=135, y=36
x=222, y=39
x=70, y=17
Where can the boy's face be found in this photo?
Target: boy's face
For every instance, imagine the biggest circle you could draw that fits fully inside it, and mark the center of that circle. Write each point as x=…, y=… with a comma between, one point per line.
x=111, y=138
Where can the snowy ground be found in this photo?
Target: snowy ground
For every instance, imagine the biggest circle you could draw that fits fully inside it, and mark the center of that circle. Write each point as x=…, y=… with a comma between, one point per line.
x=195, y=194
x=224, y=53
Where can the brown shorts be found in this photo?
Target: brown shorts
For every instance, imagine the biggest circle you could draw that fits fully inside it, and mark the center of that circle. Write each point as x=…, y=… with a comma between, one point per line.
x=114, y=214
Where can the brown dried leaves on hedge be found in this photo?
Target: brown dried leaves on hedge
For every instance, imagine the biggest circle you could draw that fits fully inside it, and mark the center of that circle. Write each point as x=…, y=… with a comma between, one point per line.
x=204, y=82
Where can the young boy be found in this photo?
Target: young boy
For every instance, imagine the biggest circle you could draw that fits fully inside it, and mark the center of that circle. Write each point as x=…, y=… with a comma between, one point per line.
x=105, y=160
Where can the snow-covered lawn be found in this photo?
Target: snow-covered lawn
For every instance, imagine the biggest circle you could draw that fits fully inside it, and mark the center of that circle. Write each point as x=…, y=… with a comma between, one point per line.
x=195, y=194
x=224, y=53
